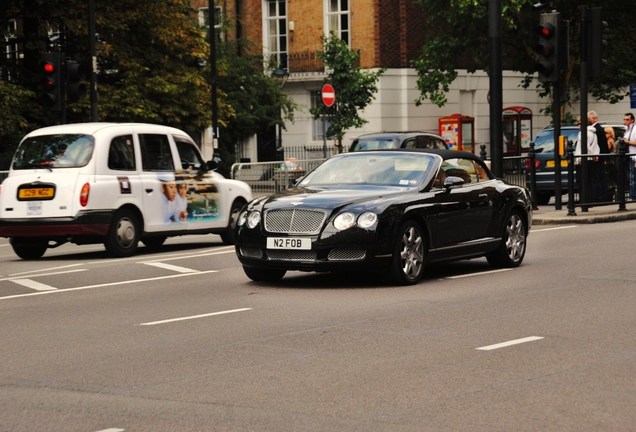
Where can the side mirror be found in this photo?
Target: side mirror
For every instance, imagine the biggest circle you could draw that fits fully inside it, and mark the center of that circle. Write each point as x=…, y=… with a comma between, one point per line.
x=214, y=164
x=452, y=182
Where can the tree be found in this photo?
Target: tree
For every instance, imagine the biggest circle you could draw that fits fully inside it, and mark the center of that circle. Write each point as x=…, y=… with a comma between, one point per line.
x=355, y=88
x=459, y=40
x=152, y=67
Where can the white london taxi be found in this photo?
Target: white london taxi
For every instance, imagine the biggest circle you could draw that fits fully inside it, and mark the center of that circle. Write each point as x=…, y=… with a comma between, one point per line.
x=116, y=184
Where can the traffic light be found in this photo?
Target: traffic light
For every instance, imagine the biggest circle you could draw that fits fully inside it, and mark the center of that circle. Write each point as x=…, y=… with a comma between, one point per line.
x=75, y=75
x=548, y=47
x=595, y=30
x=50, y=72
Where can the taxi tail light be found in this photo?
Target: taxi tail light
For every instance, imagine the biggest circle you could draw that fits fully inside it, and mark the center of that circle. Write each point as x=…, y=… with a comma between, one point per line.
x=537, y=164
x=86, y=189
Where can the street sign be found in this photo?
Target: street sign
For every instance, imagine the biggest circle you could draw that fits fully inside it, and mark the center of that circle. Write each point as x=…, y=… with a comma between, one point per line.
x=632, y=96
x=328, y=95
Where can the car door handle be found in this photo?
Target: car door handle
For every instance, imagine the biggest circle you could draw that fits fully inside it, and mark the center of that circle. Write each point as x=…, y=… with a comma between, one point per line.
x=149, y=190
x=483, y=195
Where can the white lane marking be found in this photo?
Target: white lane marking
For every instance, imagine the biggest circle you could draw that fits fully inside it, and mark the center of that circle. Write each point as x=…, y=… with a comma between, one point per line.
x=478, y=273
x=45, y=270
x=510, y=343
x=14, y=277
x=171, y=267
x=34, y=285
x=553, y=229
x=195, y=317
x=125, y=282
x=112, y=430
x=178, y=257
x=166, y=256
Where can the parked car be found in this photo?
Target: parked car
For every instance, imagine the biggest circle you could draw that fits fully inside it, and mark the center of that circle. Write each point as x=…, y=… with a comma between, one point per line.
x=395, y=210
x=544, y=160
x=115, y=184
x=397, y=140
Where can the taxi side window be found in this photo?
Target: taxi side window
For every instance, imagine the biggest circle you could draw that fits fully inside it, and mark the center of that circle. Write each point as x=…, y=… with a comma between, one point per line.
x=155, y=152
x=188, y=155
x=121, y=154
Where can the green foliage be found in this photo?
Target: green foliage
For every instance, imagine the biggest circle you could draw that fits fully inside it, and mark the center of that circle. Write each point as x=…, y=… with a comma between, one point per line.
x=355, y=88
x=459, y=39
x=149, y=59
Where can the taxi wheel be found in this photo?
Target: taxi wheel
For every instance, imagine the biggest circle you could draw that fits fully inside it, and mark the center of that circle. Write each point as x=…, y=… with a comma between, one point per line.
x=264, y=274
x=29, y=249
x=123, y=236
x=229, y=236
x=409, y=254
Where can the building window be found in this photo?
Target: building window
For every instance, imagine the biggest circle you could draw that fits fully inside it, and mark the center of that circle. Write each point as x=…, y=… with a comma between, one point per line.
x=204, y=19
x=275, y=34
x=318, y=129
x=337, y=19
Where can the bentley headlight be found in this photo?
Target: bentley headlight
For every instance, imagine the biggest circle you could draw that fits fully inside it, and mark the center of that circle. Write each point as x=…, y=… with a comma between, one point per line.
x=253, y=219
x=344, y=221
x=242, y=219
x=367, y=220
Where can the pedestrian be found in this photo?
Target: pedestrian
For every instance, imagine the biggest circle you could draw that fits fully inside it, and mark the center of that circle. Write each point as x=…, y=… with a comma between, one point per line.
x=600, y=191
x=592, y=181
x=629, y=138
x=611, y=141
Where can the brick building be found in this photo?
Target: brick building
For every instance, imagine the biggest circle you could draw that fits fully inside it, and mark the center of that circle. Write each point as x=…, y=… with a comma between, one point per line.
x=386, y=34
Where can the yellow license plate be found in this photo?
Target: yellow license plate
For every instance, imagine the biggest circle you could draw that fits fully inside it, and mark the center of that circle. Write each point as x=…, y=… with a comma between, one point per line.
x=551, y=164
x=36, y=193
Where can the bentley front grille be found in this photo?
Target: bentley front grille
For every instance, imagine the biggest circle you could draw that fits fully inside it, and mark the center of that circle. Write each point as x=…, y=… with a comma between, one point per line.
x=294, y=221
x=346, y=254
x=291, y=255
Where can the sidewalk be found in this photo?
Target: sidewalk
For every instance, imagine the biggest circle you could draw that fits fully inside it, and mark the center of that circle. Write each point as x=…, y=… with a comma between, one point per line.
x=547, y=215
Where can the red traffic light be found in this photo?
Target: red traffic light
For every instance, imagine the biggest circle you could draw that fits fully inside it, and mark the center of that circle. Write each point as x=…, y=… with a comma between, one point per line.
x=546, y=31
x=48, y=67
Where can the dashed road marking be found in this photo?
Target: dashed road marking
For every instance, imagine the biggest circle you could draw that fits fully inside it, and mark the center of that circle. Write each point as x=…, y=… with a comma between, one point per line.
x=510, y=343
x=29, y=283
x=178, y=269
x=194, y=317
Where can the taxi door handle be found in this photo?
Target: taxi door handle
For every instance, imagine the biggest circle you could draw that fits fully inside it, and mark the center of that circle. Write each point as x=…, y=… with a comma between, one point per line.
x=149, y=190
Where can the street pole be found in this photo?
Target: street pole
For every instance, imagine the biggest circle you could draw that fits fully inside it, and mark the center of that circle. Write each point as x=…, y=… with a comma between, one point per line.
x=583, y=177
x=495, y=74
x=213, y=77
x=93, y=58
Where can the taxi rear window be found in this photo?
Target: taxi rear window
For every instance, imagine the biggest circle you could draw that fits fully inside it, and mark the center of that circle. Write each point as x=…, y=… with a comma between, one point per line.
x=54, y=151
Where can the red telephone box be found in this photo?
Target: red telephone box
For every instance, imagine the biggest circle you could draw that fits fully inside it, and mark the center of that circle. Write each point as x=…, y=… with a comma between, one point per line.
x=458, y=131
x=517, y=130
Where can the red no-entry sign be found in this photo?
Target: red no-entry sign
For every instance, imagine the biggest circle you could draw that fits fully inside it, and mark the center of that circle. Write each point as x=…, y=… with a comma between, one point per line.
x=328, y=95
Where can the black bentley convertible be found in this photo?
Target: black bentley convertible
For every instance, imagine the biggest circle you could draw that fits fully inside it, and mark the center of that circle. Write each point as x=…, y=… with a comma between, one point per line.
x=392, y=211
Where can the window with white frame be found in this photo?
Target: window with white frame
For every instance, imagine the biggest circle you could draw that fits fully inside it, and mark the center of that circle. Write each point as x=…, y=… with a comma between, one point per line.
x=204, y=17
x=275, y=32
x=337, y=19
x=318, y=128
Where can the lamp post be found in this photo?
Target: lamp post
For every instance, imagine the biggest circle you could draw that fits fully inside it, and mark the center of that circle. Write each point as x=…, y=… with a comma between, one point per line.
x=281, y=74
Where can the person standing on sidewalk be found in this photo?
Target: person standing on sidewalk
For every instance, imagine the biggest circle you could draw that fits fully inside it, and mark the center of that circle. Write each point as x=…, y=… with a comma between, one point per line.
x=598, y=183
x=629, y=138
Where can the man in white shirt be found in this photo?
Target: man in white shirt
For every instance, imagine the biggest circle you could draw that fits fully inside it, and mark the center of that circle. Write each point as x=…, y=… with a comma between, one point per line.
x=630, y=139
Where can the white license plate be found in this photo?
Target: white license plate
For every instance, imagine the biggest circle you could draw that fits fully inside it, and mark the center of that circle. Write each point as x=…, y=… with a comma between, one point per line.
x=34, y=208
x=302, y=243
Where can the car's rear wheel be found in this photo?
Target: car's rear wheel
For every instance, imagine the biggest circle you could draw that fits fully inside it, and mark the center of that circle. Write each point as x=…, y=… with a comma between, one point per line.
x=229, y=235
x=123, y=236
x=512, y=248
x=264, y=274
x=29, y=249
x=407, y=265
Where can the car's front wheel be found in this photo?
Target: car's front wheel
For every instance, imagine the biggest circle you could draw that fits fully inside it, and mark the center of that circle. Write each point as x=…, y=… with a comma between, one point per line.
x=512, y=248
x=123, y=236
x=29, y=249
x=407, y=265
x=264, y=274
